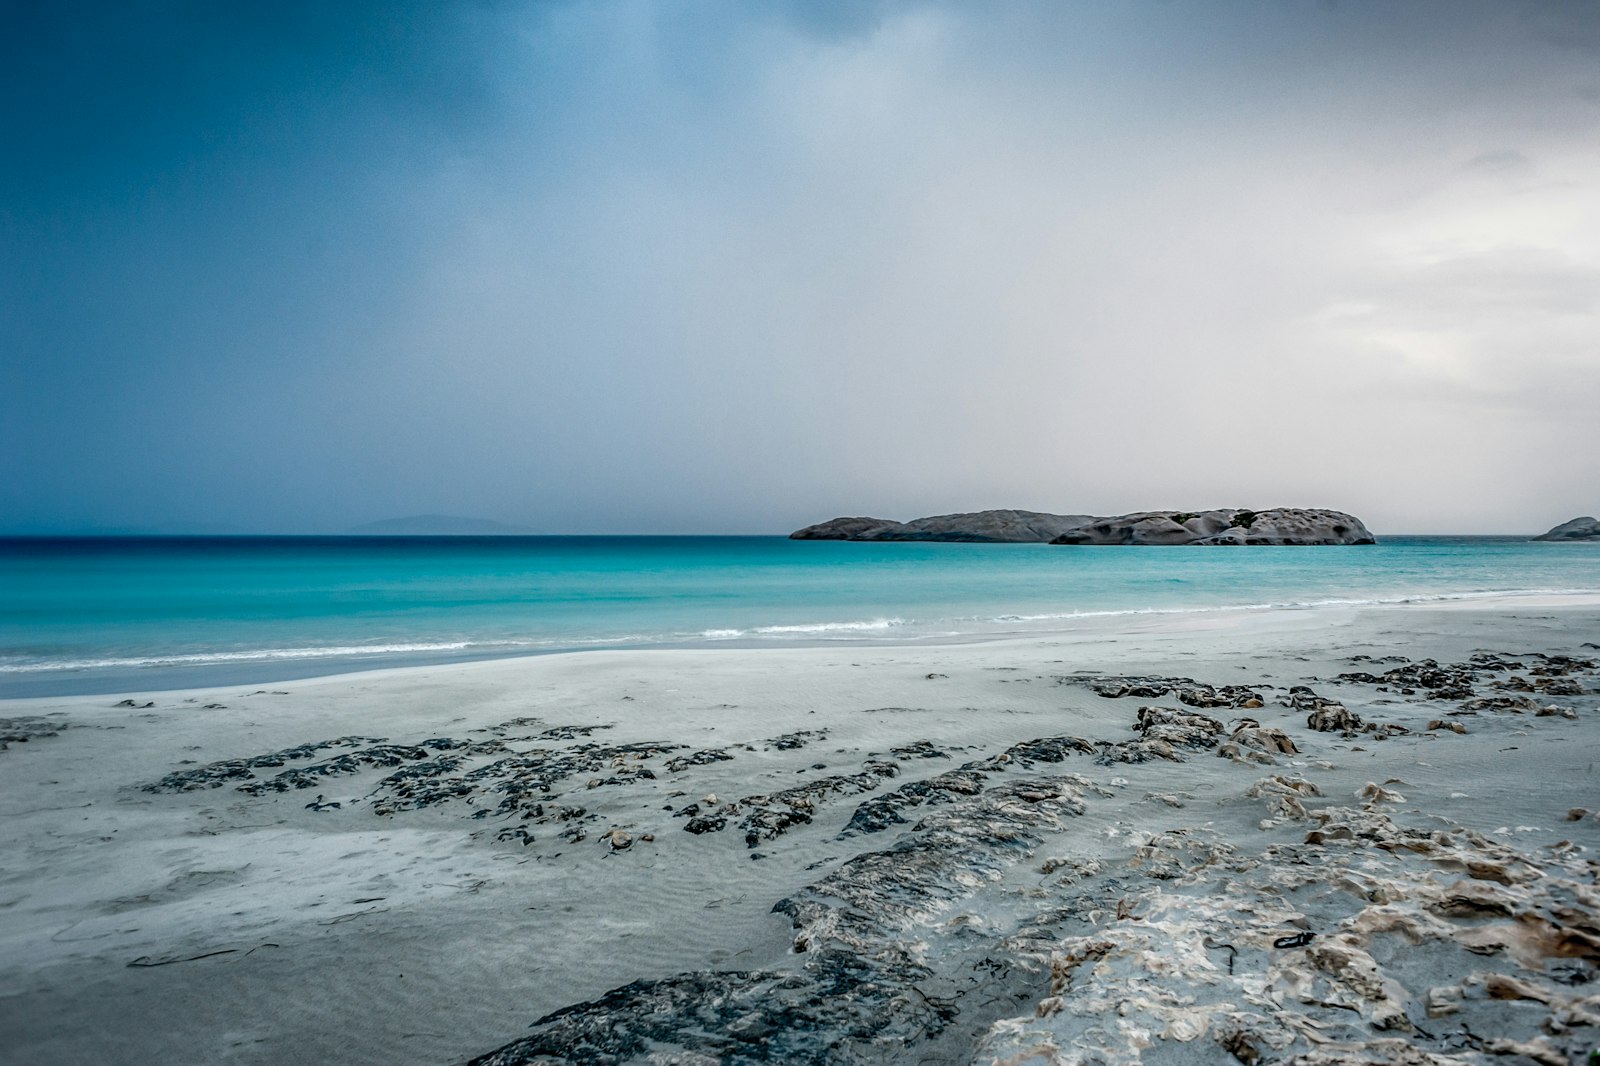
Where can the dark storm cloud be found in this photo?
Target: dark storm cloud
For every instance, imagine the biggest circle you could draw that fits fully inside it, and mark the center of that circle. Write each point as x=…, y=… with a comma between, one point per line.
x=705, y=266
x=108, y=98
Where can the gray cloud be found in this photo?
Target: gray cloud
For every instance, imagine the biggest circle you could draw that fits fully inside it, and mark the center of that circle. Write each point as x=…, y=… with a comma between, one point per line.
x=623, y=267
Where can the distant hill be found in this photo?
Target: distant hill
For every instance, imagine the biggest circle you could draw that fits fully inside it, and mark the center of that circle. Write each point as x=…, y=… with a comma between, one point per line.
x=437, y=525
x=1585, y=528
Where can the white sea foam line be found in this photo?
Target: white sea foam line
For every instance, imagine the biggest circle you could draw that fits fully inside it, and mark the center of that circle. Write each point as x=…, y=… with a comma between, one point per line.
x=1450, y=597
x=832, y=627
x=273, y=654
x=1063, y=616
x=802, y=629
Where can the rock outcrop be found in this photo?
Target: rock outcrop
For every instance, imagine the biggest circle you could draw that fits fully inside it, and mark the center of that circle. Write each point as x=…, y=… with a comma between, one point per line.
x=1225, y=526
x=1586, y=528
x=1285, y=525
x=1003, y=526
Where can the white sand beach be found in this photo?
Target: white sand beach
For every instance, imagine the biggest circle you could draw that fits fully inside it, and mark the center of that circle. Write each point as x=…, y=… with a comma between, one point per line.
x=482, y=845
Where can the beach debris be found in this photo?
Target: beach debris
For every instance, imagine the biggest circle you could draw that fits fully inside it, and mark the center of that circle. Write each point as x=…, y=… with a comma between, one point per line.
x=1250, y=741
x=1285, y=795
x=566, y=732
x=518, y=833
x=135, y=705
x=1324, y=715
x=1558, y=686
x=1303, y=698
x=1027, y=753
x=705, y=757
x=1448, y=682
x=1171, y=799
x=888, y=810
x=1561, y=665
x=1547, y=674
x=1200, y=695
x=792, y=741
x=1187, y=690
x=769, y=816
x=423, y=784
x=1385, y=730
x=1175, y=728
x=918, y=749
x=1499, y=705
x=501, y=729
x=1238, y=1042
x=1334, y=718
x=1116, y=687
x=705, y=823
x=1173, y=853
x=1374, y=793
x=522, y=783
x=349, y=763
x=217, y=774
x=1233, y=952
x=26, y=728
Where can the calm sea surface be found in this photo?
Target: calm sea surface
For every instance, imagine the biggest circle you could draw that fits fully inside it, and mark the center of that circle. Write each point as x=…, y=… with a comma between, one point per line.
x=102, y=615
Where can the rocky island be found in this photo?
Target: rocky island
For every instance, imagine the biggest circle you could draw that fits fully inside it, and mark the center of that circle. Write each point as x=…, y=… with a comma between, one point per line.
x=1221, y=526
x=1002, y=526
x=1587, y=528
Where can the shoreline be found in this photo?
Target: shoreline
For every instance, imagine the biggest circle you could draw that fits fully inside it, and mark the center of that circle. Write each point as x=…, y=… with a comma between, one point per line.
x=50, y=683
x=352, y=893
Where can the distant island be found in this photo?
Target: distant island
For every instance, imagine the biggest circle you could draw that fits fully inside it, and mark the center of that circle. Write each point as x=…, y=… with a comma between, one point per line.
x=1225, y=526
x=1586, y=528
x=437, y=525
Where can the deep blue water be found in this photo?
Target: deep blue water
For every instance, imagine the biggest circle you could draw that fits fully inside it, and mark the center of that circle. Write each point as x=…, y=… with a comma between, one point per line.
x=102, y=614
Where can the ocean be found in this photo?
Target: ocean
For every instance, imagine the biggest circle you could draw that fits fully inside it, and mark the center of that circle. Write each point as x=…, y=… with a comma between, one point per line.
x=90, y=615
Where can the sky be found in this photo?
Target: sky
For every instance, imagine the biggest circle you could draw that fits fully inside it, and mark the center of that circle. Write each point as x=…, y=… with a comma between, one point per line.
x=702, y=267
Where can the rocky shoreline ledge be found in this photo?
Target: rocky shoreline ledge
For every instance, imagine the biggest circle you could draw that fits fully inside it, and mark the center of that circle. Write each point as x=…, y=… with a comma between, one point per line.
x=1351, y=931
x=1228, y=526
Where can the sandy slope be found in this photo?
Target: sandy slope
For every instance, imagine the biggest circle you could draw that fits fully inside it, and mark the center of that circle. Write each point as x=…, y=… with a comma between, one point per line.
x=217, y=925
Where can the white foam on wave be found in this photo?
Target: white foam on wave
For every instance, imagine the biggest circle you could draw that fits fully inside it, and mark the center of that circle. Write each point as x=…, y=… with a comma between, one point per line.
x=1286, y=605
x=985, y=622
x=801, y=629
x=255, y=655
x=904, y=628
x=876, y=625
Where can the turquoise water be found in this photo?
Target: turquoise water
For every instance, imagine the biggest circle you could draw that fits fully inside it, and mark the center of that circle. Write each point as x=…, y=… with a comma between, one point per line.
x=99, y=615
